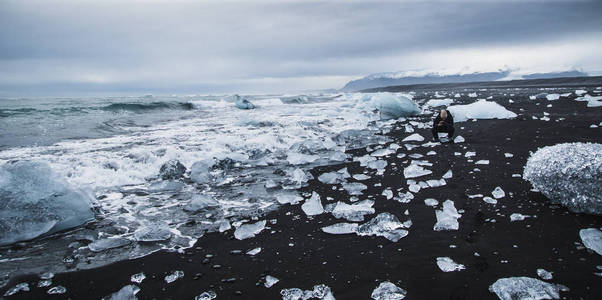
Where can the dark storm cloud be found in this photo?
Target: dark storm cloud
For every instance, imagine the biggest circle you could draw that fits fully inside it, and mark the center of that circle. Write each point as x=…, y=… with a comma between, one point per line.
x=215, y=43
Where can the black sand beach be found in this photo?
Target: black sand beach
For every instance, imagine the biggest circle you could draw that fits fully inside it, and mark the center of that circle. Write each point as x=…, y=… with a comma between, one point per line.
x=300, y=255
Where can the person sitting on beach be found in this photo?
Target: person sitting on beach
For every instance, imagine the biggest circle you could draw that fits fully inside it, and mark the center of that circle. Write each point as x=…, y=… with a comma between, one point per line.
x=444, y=122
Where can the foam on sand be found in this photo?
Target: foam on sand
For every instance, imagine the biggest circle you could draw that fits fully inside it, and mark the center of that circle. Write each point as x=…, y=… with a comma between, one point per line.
x=481, y=109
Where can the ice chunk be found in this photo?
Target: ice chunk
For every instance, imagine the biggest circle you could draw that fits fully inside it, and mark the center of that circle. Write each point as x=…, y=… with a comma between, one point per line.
x=393, y=106
x=414, y=188
x=288, y=197
x=552, y=97
x=330, y=178
x=35, y=201
x=408, y=128
x=439, y=102
x=436, y=182
x=545, y=275
x=591, y=101
x=224, y=226
x=387, y=193
x=388, y=291
x=447, y=174
x=201, y=203
x=246, y=231
x=208, y=295
x=414, y=138
x=127, y=292
x=447, y=218
x=173, y=276
x=513, y=288
x=518, y=217
x=360, y=177
x=21, y=287
x=243, y=103
x=592, y=239
x=482, y=162
x=470, y=154
x=382, y=152
x=377, y=165
x=489, y=200
x=270, y=281
x=254, y=251
x=138, y=277
x=354, y=188
x=405, y=197
x=431, y=202
x=353, y=212
x=414, y=170
x=338, y=156
x=459, y=139
x=199, y=171
x=508, y=154
x=472, y=95
x=340, y=228
x=580, y=92
x=498, y=193
x=384, y=224
x=313, y=206
x=108, y=243
x=295, y=158
x=152, y=233
x=172, y=169
x=481, y=109
x=319, y=291
x=57, y=290
x=569, y=174
x=446, y=264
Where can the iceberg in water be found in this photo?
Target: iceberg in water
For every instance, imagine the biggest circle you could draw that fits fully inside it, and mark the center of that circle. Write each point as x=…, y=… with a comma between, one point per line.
x=243, y=103
x=393, y=106
x=481, y=109
x=592, y=239
x=35, y=201
x=525, y=288
x=569, y=174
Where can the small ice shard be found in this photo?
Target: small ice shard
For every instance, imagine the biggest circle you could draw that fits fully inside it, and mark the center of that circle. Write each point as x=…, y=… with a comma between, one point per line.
x=361, y=177
x=447, y=174
x=353, y=212
x=387, y=193
x=459, y=139
x=489, y=200
x=446, y=264
x=482, y=109
x=404, y=197
x=127, y=292
x=364, y=160
x=44, y=283
x=414, y=170
x=243, y=103
x=173, y=276
x=313, y=206
x=513, y=288
x=338, y=156
x=47, y=275
x=340, y=228
x=382, y=152
x=482, y=162
x=21, y=287
x=447, y=218
x=431, y=202
x=288, y=197
x=224, y=226
x=377, y=165
x=153, y=233
x=436, y=182
x=413, y=138
x=414, y=188
x=472, y=95
x=508, y=154
x=57, y=290
x=172, y=169
x=384, y=224
x=108, y=243
x=388, y=291
x=319, y=291
x=592, y=239
x=201, y=203
x=568, y=174
x=518, y=217
x=470, y=154
x=296, y=158
x=498, y=193
x=138, y=277
x=208, y=295
x=431, y=153
x=545, y=275
x=254, y=251
x=475, y=196
x=552, y=97
x=354, y=188
x=270, y=281
x=580, y=92
x=330, y=178
x=246, y=231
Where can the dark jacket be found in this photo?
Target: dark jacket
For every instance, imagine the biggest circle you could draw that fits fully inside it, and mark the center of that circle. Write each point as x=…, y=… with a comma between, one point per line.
x=447, y=123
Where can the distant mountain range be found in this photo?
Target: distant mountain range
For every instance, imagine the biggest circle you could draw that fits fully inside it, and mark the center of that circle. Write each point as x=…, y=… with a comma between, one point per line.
x=402, y=78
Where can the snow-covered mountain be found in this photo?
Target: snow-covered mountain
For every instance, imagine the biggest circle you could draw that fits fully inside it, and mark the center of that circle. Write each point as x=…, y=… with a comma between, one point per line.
x=407, y=78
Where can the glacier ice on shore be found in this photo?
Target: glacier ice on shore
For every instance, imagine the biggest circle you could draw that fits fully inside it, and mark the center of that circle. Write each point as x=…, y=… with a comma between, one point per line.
x=439, y=102
x=127, y=292
x=35, y=201
x=320, y=291
x=313, y=205
x=481, y=109
x=392, y=106
x=414, y=170
x=592, y=101
x=108, y=243
x=173, y=276
x=388, y=291
x=592, y=239
x=246, y=231
x=243, y=103
x=153, y=232
x=353, y=212
x=545, y=275
x=341, y=228
x=384, y=224
x=569, y=174
x=513, y=288
x=446, y=264
x=447, y=217
x=354, y=188
x=270, y=281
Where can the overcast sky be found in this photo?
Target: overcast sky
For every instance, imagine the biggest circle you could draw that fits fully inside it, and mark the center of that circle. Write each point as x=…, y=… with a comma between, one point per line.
x=177, y=47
